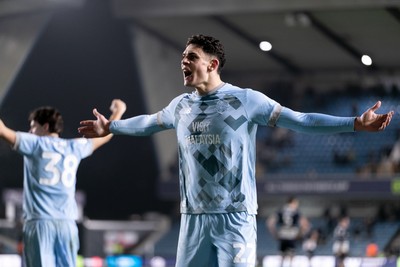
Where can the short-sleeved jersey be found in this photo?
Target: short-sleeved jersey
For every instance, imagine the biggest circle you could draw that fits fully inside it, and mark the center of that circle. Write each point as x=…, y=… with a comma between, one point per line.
x=216, y=141
x=50, y=167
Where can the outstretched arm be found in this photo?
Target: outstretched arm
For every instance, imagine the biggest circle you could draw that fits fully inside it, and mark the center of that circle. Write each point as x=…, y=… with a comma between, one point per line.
x=7, y=134
x=323, y=123
x=372, y=122
x=118, y=108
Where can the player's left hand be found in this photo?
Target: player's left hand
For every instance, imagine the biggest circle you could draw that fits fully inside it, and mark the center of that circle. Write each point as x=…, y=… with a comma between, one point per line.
x=372, y=122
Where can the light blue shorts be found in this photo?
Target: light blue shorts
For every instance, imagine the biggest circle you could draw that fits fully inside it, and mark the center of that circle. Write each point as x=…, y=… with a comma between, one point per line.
x=217, y=240
x=50, y=243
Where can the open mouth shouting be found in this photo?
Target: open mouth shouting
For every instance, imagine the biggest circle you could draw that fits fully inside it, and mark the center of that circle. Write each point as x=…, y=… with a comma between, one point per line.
x=187, y=74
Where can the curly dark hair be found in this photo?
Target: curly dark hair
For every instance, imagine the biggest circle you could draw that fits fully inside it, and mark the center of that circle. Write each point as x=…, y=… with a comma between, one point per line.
x=49, y=115
x=211, y=46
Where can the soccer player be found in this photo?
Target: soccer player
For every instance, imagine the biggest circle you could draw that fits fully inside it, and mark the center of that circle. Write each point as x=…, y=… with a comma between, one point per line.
x=50, y=233
x=341, y=243
x=216, y=128
x=288, y=226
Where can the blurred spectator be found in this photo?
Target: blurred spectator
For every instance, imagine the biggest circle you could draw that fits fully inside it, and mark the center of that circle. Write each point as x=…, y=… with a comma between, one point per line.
x=344, y=157
x=372, y=250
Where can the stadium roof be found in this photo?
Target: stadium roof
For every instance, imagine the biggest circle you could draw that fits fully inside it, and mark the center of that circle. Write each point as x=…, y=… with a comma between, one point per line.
x=308, y=37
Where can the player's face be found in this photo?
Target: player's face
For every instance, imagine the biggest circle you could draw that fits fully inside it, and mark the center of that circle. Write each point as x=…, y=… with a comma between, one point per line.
x=38, y=129
x=195, y=65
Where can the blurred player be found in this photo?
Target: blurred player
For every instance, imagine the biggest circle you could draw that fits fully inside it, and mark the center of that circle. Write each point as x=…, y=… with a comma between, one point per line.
x=310, y=244
x=288, y=226
x=50, y=233
x=216, y=127
x=341, y=243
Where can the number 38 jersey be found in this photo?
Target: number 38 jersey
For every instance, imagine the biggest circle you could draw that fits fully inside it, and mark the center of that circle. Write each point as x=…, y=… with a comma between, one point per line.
x=50, y=166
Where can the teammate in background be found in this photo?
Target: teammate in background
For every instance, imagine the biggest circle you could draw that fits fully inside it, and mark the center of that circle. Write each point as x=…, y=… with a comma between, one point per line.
x=50, y=233
x=216, y=127
x=341, y=243
x=288, y=226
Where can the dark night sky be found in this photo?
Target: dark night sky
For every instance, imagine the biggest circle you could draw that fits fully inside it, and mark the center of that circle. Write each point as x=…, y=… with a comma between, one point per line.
x=83, y=59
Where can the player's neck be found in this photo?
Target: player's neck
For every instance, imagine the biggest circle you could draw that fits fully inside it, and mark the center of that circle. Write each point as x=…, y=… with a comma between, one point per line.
x=210, y=88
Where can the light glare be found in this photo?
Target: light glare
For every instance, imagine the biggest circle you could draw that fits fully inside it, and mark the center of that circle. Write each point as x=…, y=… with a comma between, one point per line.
x=366, y=60
x=265, y=46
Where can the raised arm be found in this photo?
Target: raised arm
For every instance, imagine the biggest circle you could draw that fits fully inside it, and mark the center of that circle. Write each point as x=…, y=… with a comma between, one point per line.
x=118, y=108
x=7, y=134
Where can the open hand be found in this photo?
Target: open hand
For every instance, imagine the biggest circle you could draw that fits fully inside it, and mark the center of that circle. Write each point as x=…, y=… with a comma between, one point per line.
x=372, y=122
x=95, y=128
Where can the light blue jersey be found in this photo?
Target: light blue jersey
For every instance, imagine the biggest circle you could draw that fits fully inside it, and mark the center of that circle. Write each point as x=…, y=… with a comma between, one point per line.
x=216, y=137
x=50, y=166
